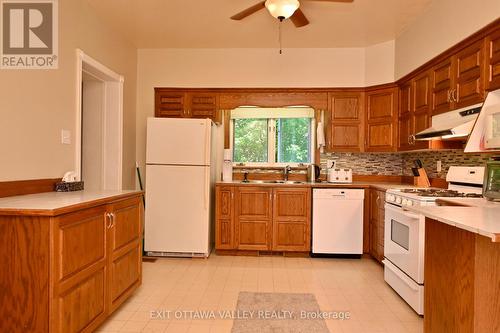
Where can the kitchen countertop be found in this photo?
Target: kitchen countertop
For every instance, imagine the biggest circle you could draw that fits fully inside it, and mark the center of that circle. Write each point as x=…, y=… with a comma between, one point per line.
x=356, y=184
x=479, y=216
x=53, y=203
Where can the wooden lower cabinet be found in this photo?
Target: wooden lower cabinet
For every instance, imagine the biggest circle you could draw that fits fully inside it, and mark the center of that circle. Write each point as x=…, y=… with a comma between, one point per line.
x=263, y=218
x=291, y=219
x=377, y=224
x=72, y=270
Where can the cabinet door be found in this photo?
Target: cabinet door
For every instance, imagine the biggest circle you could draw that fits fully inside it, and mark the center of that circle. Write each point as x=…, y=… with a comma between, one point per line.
x=202, y=105
x=125, y=249
x=493, y=61
x=169, y=103
x=405, y=99
x=224, y=225
x=253, y=218
x=405, y=131
x=469, y=71
x=442, y=84
x=382, y=119
x=344, y=122
x=291, y=219
x=80, y=275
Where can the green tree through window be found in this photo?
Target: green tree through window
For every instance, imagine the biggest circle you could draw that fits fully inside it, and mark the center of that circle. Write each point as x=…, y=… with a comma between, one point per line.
x=288, y=140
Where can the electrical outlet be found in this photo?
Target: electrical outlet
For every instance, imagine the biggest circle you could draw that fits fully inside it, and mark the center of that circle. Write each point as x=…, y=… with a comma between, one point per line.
x=438, y=166
x=65, y=137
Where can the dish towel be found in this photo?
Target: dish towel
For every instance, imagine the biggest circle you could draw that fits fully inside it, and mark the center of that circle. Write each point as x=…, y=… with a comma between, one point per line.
x=320, y=137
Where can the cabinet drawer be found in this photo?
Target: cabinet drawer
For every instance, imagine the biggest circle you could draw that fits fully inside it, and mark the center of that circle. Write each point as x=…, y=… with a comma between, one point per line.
x=82, y=305
x=80, y=241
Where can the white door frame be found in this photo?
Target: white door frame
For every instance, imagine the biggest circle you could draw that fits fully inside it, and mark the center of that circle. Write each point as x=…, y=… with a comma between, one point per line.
x=113, y=120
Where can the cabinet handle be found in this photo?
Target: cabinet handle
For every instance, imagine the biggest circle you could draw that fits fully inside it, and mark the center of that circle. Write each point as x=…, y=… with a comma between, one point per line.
x=232, y=195
x=411, y=139
x=112, y=219
x=455, y=94
x=448, y=99
x=109, y=222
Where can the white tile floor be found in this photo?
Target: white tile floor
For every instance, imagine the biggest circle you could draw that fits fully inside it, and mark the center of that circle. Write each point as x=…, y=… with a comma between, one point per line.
x=356, y=286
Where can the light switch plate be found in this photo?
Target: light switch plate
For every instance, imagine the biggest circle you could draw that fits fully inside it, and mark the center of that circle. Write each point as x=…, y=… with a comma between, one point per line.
x=65, y=137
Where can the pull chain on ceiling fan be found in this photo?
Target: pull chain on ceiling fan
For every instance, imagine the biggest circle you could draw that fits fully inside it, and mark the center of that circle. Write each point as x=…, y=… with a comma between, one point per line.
x=282, y=10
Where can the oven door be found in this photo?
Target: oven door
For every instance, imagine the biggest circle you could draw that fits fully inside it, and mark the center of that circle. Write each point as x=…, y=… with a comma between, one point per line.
x=404, y=241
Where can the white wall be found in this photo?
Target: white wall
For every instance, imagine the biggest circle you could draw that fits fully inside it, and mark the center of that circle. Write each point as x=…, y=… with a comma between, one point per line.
x=36, y=104
x=240, y=68
x=379, y=63
x=445, y=23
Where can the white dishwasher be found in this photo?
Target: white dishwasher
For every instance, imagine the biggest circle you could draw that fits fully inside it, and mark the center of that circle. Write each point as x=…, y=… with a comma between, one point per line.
x=337, y=224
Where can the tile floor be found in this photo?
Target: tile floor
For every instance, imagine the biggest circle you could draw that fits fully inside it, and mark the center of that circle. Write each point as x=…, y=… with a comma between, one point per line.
x=356, y=286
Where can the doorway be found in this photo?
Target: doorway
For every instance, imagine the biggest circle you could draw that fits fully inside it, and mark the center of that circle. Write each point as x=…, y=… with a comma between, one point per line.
x=99, y=125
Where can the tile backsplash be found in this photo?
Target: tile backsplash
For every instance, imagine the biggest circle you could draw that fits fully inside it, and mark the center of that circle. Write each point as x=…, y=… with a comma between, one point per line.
x=387, y=164
x=397, y=164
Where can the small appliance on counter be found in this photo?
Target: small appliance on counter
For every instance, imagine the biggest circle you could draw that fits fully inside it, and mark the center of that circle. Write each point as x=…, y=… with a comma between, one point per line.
x=227, y=166
x=491, y=189
x=339, y=175
x=313, y=173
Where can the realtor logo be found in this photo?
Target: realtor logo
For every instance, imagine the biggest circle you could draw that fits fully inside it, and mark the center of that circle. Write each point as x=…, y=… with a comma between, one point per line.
x=29, y=34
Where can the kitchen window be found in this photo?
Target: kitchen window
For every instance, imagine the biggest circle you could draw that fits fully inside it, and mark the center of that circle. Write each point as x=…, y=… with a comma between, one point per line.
x=272, y=137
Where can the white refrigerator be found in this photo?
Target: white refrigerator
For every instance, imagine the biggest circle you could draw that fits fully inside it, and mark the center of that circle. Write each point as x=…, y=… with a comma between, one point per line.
x=180, y=176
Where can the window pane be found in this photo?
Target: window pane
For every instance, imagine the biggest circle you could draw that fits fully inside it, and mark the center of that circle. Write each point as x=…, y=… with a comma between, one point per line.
x=250, y=140
x=293, y=137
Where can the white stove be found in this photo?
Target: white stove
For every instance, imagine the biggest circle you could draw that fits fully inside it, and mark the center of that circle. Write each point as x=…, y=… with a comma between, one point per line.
x=404, y=230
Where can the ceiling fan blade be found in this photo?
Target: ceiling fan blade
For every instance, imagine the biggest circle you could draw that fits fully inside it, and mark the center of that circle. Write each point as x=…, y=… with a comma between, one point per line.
x=249, y=11
x=299, y=19
x=331, y=0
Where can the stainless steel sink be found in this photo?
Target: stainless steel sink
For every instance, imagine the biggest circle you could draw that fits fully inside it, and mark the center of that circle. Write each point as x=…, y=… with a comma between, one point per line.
x=273, y=182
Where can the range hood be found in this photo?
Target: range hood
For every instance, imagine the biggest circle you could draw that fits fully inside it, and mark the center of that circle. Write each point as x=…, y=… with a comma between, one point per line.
x=452, y=124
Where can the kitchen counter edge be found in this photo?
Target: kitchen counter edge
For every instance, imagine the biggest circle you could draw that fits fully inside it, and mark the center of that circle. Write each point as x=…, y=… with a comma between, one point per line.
x=58, y=203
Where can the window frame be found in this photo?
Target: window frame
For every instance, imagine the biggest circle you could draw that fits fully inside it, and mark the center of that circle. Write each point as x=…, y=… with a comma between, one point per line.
x=271, y=146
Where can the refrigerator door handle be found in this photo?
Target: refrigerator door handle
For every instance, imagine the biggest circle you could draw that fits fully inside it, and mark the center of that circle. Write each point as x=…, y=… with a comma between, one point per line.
x=207, y=143
x=207, y=186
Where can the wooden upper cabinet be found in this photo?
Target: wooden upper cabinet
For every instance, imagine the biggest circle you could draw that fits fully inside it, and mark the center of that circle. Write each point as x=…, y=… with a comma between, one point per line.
x=344, y=122
x=202, y=105
x=469, y=71
x=381, y=104
x=459, y=80
x=224, y=233
x=178, y=103
x=405, y=99
x=382, y=119
x=493, y=61
x=253, y=218
x=169, y=104
x=291, y=219
x=442, y=83
x=422, y=93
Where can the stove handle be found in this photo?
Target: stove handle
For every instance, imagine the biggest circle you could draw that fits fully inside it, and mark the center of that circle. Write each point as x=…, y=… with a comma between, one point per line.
x=410, y=215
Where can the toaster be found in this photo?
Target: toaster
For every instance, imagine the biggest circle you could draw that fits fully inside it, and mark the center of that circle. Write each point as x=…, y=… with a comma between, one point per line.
x=339, y=175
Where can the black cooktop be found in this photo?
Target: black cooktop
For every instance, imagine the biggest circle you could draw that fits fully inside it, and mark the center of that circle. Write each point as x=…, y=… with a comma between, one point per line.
x=432, y=192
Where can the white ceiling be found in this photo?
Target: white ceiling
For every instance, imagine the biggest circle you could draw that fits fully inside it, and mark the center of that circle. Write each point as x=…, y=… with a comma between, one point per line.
x=206, y=23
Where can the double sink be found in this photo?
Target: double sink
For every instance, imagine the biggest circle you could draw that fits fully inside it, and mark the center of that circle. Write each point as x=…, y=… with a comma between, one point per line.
x=272, y=182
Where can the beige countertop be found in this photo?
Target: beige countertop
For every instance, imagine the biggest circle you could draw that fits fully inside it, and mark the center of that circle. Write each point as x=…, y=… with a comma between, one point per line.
x=483, y=218
x=357, y=184
x=49, y=202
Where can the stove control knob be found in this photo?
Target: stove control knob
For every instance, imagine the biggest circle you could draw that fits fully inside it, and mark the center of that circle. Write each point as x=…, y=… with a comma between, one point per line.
x=390, y=198
x=410, y=203
x=398, y=200
x=404, y=202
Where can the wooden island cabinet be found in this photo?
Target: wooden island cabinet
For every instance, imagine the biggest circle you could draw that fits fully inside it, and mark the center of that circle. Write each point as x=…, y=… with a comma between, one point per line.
x=263, y=218
x=67, y=268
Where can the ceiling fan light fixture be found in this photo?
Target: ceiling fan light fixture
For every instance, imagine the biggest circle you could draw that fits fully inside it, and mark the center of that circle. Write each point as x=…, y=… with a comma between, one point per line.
x=282, y=9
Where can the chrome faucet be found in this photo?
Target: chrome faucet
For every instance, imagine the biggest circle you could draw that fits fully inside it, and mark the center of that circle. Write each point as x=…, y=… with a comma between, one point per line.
x=286, y=172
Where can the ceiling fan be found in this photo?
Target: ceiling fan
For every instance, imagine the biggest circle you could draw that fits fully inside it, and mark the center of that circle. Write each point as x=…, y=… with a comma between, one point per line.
x=282, y=10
